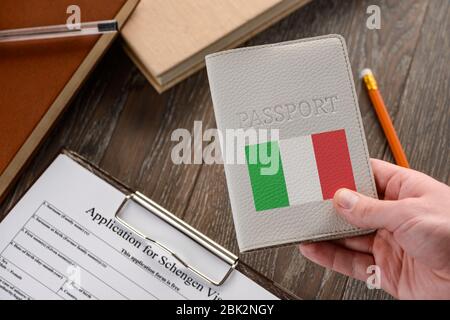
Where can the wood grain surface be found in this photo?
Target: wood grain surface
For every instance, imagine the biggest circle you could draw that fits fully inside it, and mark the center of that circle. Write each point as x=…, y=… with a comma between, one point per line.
x=120, y=123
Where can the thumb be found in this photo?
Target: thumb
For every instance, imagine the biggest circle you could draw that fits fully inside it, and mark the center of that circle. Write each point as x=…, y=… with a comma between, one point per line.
x=369, y=213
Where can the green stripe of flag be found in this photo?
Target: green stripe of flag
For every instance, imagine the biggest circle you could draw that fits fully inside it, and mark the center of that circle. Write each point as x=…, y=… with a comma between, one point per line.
x=269, y=191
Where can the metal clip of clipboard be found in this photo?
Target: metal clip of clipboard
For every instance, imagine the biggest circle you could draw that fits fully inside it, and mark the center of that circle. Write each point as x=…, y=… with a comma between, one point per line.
x=184, y=228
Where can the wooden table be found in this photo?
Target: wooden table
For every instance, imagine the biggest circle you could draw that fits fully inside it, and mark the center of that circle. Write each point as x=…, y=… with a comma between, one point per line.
x=119, y=122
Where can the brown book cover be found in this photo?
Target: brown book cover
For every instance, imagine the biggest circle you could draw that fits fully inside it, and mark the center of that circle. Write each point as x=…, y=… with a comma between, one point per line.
x=168, y=39
x=38, y=78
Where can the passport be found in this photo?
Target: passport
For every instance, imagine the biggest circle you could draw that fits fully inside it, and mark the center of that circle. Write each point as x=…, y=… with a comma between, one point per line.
x=300, y=94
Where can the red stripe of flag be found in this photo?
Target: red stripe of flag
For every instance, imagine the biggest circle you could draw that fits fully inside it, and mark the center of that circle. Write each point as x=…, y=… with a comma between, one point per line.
x=333, y=162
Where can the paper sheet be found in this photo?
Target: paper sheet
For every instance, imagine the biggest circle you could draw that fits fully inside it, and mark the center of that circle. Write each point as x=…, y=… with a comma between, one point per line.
x=52, y=246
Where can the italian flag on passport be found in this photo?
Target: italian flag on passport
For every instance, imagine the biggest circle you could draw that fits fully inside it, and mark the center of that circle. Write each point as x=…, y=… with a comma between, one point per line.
x=311, y=168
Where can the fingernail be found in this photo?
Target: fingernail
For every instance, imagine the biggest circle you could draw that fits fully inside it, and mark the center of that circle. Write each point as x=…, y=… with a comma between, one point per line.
x=346, y=199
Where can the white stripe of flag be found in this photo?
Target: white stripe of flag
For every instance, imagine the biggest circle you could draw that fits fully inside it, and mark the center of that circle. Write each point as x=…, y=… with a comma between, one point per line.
x=300, y=170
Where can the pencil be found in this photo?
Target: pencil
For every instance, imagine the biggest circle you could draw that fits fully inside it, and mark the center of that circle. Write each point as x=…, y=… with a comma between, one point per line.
x=384, y=118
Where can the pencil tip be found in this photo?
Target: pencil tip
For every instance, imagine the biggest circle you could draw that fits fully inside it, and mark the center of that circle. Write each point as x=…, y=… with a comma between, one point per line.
x=365, y=72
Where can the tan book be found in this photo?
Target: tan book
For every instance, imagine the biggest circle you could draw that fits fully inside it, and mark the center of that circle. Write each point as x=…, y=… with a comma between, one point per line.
x=168, y=39
x=39, y=77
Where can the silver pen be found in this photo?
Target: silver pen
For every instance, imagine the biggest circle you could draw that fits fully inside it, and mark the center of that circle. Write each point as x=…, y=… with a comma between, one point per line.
x=59, y=31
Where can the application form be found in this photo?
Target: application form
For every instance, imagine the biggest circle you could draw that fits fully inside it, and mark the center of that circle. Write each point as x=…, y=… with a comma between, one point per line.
x=61, y=242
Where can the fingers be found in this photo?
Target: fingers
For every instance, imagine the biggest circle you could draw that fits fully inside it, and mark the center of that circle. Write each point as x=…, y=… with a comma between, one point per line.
x=342, y=260
x=369, y=213
x=390, y=179
x=385, y=173
x=362, y=244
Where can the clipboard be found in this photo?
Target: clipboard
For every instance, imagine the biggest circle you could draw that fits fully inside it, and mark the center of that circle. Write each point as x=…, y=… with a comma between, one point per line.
x=151, y=208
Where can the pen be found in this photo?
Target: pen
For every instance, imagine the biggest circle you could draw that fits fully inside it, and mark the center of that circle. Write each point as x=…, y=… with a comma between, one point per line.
x=384, y=118
x=59, y=31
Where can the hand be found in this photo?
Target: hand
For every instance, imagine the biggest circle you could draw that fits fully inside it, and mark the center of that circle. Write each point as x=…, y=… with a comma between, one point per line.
x=412, y=243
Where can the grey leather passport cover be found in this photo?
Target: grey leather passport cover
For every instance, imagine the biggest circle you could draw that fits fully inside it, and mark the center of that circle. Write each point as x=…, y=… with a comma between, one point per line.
x=315, y=72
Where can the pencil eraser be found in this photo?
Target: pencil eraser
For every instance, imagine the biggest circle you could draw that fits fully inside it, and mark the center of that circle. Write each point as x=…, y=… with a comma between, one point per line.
x=365, y=72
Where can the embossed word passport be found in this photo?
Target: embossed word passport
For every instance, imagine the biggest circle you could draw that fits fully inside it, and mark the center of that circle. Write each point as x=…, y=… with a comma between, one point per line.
x=302, y=93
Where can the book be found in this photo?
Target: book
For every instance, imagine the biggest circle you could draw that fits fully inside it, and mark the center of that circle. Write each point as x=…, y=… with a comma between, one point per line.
x=168, y=39
x=301, y=91
x=39, y=77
